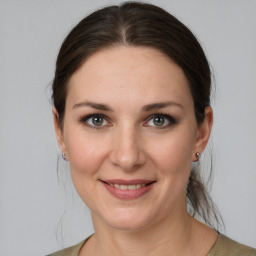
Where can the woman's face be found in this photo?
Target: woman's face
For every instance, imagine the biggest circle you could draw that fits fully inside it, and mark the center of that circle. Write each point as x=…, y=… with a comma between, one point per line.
x=130, y=136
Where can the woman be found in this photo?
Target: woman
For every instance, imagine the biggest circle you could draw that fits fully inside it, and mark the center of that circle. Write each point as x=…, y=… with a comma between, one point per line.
x=132, y=113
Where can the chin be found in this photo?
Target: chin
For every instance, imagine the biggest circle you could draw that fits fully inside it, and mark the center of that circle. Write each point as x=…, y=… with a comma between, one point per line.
x=128, y=221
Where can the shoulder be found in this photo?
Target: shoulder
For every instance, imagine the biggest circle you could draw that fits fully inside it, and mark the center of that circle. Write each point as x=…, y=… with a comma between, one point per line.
x=225, y=246
x=70, y=251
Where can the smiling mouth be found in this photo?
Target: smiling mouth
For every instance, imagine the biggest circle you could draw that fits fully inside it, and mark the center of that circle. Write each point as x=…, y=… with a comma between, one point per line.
x=124, y=189
x=128, y=186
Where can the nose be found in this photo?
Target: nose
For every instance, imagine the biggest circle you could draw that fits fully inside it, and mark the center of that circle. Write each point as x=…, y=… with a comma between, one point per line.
x=127, y=150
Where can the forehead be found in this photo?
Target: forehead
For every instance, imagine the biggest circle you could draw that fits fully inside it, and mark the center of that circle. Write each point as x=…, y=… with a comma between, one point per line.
x=133, y=74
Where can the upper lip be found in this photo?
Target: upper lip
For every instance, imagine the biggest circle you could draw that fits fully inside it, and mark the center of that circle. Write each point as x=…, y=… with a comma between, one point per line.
x=128, y=182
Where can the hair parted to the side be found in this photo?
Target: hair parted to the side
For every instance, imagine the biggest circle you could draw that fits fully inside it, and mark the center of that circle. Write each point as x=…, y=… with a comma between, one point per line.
x=140, y=24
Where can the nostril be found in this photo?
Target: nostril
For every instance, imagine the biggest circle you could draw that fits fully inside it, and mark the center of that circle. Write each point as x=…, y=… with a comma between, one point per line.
x=127, y=160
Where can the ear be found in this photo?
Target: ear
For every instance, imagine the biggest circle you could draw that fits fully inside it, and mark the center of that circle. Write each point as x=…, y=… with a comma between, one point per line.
x=203, y=133
x=58, y=131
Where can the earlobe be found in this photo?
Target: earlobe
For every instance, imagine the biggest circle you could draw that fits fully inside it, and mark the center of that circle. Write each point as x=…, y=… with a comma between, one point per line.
x=58, y=130
x=204, y=131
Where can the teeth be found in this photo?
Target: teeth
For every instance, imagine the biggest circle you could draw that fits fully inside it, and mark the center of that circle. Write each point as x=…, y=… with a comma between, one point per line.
x=132, y=187
x=128, y=187
x=123, y=187
x=116, y=185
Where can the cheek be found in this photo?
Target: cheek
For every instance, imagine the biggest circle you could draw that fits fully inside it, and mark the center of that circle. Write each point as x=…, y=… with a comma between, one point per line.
x=86, y=155
x=172, y=156
x=174, y=152
x=86, y=152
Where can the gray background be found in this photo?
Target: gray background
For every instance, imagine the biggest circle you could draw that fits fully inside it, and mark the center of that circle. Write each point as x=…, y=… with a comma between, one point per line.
x=40, y=213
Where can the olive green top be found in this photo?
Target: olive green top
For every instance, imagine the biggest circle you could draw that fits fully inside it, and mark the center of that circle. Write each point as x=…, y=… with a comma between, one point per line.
x=224, y=246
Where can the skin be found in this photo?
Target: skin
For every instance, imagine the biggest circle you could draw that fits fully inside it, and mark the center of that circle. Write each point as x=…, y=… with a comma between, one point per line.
x=131, y=144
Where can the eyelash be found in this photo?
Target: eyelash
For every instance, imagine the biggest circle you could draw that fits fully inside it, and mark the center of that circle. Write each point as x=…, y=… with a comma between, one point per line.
x=171, y=120
x=84, y=120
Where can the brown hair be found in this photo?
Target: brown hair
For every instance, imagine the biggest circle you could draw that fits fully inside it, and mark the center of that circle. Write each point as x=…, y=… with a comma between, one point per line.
x=141, y=24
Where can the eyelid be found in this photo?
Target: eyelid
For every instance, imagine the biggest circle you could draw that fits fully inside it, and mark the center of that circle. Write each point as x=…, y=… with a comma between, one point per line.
x=85, y=118
x=171, y=120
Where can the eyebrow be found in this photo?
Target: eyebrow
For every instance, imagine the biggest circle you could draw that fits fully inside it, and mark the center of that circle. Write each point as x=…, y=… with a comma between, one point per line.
x=160, y=105
x=145, y=108
x=94, y=105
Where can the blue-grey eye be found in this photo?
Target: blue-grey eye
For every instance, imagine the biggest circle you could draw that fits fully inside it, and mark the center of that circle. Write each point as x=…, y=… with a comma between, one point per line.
x=159, y=121
x=95, y=120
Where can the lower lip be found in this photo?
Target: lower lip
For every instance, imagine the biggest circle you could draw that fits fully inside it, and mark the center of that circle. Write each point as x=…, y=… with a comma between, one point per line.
x=128, y=194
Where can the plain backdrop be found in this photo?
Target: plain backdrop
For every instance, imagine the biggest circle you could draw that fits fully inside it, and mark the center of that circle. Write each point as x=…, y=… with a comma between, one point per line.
x=39, y=210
